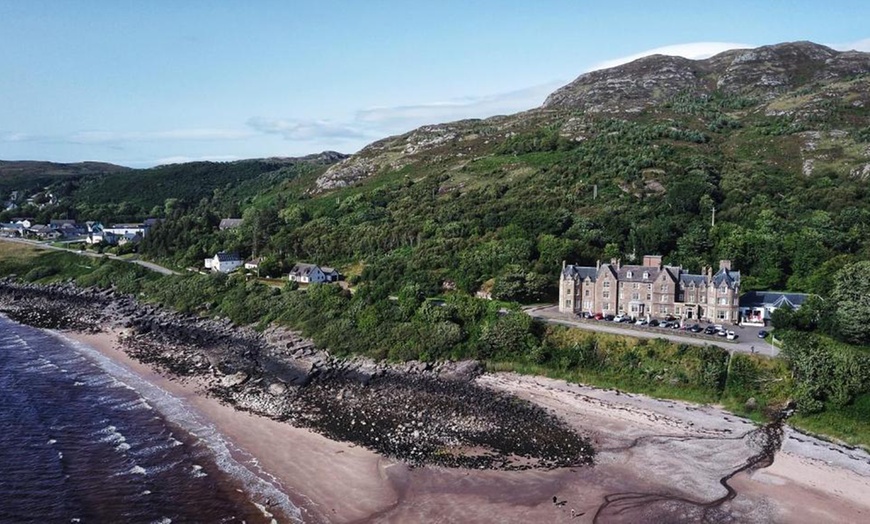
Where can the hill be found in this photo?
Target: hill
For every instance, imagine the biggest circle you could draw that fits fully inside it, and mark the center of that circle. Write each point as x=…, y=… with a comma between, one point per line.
x=620, y=162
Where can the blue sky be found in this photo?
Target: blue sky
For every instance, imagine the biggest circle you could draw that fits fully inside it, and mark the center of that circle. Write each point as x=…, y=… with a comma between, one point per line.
x=145, y=83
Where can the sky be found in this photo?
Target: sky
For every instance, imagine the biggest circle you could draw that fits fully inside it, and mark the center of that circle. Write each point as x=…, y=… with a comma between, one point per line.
x=162, y=81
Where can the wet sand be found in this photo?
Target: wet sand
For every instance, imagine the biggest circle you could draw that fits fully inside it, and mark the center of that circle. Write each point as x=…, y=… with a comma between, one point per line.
x=668, y=457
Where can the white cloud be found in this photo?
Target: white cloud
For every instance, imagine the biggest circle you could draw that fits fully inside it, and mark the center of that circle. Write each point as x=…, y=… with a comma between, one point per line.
x=692, y=50
x=293, y=129
x=184, y=159
x=456, y=109
x=108, y=137
x=859, y=45
x=19, y=137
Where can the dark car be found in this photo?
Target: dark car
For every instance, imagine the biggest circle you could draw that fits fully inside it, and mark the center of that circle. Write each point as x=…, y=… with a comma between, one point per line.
x=609, y=318
x=762, y=334
x=695, y=328
x=653, y=323
x=709, y=330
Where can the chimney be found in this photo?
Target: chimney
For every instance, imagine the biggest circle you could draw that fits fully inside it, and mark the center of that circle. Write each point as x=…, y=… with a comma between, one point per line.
x=597, y=264
x=616, y=262
x=652, y=261
x=563, y=265
x=725, y=264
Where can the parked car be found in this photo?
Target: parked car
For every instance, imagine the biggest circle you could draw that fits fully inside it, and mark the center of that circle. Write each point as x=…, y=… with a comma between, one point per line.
x=695, y=328
x=598, y=316
x=609, y=318
x=620, y=318
x=731, y=335
x=709, y=330
x=721, y=333
x=654, y=323
x=762, y=334
x=675, y=325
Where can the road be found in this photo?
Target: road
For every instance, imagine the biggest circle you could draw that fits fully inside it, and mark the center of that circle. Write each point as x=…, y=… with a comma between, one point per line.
x=747, y=337
x=41, y=245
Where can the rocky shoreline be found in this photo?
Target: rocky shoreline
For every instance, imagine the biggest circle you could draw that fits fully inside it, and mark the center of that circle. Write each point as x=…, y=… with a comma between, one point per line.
x=419, y=413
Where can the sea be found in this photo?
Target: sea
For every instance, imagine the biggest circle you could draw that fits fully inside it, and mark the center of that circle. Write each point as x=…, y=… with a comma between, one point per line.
x=84, y=440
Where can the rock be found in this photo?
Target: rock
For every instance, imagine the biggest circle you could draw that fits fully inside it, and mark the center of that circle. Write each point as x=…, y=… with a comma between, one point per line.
x=236, y=379
x=277, y=389
x=751, y=404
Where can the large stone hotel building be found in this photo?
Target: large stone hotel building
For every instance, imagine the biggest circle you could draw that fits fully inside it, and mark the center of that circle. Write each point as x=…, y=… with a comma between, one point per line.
x=651, y=290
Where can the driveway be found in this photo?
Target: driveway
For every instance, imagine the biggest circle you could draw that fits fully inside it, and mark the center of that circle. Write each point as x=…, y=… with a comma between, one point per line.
x=747, y=337
x=41, y=245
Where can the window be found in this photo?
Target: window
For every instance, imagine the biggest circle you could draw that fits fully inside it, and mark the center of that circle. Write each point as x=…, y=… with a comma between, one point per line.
x=645, y=275
x=703, y=298
x=587, y=305
x=606, y=283
x=664, y=298
x=568, y=304
x=723, y=301
x=663, y=310
x=722, y=315
x=586, y=293
x=635, y=286
x=635, y=296
x=723, y=289
x=677, y=310
x=664, y=288
x=649, y=286
x=606, y=306
x=649, y=296
x=606, y=294
x=629, y=274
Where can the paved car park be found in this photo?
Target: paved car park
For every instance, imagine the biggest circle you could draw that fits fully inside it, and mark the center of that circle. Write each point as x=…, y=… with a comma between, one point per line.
x=747, y=340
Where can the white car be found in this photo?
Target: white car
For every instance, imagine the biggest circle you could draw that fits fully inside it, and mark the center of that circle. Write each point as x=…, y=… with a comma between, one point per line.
x=620, y=318
x=731, y=335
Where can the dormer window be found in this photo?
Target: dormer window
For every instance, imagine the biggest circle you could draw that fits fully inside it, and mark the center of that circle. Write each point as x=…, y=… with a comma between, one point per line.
x=629, y=274
x=645, y=275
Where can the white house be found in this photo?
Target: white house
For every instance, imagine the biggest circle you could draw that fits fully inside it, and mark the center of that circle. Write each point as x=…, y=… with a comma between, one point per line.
x=125, y=229
x=223, y=262
x=756, y=307
x=311, y=274
x=253, y=264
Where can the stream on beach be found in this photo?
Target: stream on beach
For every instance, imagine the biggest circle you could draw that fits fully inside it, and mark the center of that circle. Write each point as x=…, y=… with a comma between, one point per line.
x=82, y=442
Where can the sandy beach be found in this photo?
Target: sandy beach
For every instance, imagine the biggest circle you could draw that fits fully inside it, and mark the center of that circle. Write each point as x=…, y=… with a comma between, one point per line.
x=671, y=453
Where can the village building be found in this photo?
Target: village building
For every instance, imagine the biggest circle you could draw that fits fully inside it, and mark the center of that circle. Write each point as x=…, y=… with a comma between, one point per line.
x=312, y=273
x=229, y=223
x=254, y=263
x=651, y=290
x=223, y=262
x=757, y=307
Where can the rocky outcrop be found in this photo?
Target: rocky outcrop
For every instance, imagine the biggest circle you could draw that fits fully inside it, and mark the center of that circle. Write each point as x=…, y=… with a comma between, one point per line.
x=762, y=73
x=419, y=412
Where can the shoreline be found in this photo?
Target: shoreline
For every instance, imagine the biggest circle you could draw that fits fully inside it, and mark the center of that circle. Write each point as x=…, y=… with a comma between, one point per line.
x=330, y=481
x=656, y=460
x=283, y=452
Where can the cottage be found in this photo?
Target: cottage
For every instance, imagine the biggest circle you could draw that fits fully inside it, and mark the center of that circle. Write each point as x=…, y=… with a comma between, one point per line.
x=757, y=307
x=311, y=273
x=223, y=262
x=651, y=289
x=253, y=263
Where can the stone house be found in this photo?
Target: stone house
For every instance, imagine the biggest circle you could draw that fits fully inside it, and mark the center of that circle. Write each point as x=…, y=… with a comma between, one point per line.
x=651, y=290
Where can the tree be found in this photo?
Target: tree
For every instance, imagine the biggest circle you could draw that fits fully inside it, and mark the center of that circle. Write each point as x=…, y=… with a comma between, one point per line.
x=851, y=298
